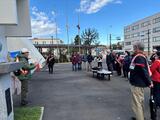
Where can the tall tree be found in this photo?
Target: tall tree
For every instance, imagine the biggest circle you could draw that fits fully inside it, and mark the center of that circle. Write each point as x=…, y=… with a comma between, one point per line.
x=90, y=36
x=77, y=40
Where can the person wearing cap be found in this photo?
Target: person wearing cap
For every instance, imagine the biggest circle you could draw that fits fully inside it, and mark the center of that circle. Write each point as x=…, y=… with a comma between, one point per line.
x=152, y=58
x=25, y=73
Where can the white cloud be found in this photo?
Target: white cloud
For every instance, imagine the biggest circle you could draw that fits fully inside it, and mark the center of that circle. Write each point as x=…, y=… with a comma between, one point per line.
x=118, y=2
x=93, y=6
x=42, y=25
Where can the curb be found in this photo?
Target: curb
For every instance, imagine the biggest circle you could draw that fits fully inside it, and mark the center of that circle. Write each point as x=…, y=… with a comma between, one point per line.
x=42, y=112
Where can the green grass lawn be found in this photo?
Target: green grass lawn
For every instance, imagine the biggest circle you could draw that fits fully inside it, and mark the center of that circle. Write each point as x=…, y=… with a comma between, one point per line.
x=27, y=113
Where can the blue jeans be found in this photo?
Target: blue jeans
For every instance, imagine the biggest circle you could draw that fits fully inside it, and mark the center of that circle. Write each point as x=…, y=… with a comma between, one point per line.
x=79, y=66
x=74, y=67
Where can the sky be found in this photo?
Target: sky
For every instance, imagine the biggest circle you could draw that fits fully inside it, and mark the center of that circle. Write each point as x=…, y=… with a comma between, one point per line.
x=107, y=16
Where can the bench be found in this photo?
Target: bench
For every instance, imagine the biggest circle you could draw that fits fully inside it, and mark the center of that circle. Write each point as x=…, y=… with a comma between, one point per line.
x=101, y=73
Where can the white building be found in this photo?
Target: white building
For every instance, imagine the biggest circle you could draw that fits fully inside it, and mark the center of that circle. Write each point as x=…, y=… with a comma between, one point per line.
x=146, y=30
x=46, y=41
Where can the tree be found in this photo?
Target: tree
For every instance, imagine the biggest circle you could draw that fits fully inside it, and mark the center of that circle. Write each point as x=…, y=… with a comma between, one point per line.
x=117, y=46
x=90, y=36
x=77, y=40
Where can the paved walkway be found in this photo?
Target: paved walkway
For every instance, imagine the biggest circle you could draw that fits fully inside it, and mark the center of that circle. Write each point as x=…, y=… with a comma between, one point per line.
x=68, y=95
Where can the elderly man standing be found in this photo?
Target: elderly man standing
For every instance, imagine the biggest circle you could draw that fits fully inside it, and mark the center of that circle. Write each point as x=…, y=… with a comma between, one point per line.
x=139, y=79
x=25, y=74
x=109, y=61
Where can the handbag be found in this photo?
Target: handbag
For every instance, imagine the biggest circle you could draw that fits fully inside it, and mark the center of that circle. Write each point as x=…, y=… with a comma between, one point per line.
x=17, y=72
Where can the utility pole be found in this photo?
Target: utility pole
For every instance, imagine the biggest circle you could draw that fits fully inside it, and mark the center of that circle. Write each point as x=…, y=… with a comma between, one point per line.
x=67, y=33
x=57, y=38
x=67, y=27
x=148, y=42
x=110, y=38
x=78, y=26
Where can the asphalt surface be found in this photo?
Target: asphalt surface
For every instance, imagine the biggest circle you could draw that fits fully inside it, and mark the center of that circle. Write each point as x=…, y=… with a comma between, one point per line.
x=68, y=95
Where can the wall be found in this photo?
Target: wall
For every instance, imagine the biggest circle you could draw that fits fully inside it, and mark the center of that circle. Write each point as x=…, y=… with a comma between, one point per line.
x=8, y=12
x=23, y=28
x=4, y=52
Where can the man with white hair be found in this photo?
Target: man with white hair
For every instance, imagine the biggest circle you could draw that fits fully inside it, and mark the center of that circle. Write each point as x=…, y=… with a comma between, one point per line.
x=139, y=79
x=24, y=74
x=152, y=58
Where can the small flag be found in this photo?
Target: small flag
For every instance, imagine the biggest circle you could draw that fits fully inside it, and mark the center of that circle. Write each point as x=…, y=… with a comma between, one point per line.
x=78, y=26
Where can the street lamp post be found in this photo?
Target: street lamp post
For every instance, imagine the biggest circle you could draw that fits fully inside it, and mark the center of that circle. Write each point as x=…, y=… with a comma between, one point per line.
x=110, y=38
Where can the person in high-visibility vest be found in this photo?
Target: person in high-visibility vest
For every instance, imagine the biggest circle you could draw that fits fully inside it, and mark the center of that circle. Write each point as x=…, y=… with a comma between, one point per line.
x=25, y=74
x=140, y=78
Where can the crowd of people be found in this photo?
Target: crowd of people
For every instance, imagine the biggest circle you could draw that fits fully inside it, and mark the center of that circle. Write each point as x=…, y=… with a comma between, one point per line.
x=135, y=67
x=141, y=71
x=85, y=62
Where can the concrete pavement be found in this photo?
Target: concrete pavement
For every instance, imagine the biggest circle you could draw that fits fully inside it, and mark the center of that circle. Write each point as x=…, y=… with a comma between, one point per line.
x=68, y=95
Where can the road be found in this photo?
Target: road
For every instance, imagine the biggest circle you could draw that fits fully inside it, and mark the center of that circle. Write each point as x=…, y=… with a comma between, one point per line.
x=68, y=95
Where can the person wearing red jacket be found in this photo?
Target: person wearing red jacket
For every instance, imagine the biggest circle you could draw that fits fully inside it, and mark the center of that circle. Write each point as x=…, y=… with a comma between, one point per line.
x=155, y=69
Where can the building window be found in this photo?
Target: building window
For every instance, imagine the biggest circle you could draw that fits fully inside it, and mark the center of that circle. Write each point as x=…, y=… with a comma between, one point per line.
x=145, y=32
x=127, y=29
x=156, y=29
x=135, y=27
x=36, y=42
x=44, y=42
x=156, y=20
x=145, y=40
x=156, y=39
x=51, y=42
x=127, y=43
x=144, y=24
x=127, y=36
x=135, y=35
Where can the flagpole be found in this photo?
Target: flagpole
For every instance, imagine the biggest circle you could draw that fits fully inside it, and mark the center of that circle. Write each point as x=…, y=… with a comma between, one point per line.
x=67, y=27
x=79, y=32
x=57, y=38
x=67, y=33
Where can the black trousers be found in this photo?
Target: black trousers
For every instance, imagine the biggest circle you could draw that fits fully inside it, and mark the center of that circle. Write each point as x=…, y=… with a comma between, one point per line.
x=156, y=93
x=100, y=64
x=50, y=67
x=125, y=71
x=118, y=68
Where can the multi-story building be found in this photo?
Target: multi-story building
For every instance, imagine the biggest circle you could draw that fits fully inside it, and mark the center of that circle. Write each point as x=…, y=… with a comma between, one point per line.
x=146, y=30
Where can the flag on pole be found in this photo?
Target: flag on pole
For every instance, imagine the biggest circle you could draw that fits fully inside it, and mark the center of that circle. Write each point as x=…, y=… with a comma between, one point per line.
x=78, y=26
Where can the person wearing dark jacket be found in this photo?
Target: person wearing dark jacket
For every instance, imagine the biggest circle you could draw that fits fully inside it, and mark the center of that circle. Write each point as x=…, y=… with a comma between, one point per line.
x=50, y=62
x=109, y=61
x=126, y=63
x=89, y=59
x=25, y=74
x=139, y=79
